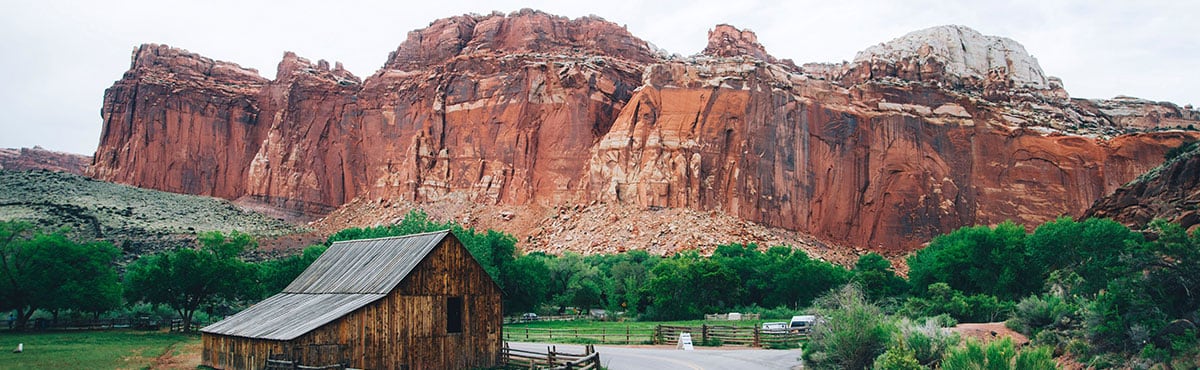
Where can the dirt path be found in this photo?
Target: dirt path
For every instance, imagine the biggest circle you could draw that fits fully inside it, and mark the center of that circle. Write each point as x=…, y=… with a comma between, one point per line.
x=188, y=357
x=989, y=331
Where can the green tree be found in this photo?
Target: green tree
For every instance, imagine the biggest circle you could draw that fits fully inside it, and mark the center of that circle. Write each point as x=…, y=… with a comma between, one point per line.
x=186, y=279
x=975, y=260
x=794, y=280
x=50, y=271
x=875, y=275
x=1091, y=249
x=275, y=275
x=526, y=282
x=687, y=286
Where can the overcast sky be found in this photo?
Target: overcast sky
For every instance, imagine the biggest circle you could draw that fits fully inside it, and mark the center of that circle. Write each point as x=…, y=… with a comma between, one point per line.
x=59, y=56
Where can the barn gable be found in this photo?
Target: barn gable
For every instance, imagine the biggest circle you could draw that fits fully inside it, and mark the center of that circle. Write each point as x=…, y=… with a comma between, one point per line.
x=348, y=276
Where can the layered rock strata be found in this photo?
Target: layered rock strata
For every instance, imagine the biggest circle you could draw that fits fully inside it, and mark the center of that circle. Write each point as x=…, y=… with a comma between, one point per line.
x=912, y=139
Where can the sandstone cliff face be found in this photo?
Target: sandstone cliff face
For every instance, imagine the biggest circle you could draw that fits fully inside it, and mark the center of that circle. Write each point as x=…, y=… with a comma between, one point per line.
x=180, y=122
x=889, y=168
x=537, y=112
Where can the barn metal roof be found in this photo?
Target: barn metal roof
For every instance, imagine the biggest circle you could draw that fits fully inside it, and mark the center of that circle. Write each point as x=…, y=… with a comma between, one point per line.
x=349, y=275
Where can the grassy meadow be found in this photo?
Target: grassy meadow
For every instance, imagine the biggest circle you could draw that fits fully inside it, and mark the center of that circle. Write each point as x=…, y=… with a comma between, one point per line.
x=107, y=349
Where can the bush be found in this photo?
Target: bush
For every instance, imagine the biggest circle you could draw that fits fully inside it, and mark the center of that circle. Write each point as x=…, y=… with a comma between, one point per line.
x=999, y=354
x=851, y=333
x=898, y=357
x=1037, y=313
x=928, y=340
x=944, y=300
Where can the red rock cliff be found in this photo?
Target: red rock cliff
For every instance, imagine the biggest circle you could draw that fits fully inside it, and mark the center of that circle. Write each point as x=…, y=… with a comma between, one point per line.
x=530, y=109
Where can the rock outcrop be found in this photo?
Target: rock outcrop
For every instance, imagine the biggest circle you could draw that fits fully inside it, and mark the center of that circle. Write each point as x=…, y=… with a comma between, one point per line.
x=1170, y=192
x=538, y=112
x=955, y=55
x=36, y=158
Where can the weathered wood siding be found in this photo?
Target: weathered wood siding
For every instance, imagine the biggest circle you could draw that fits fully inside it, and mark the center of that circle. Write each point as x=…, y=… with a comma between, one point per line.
x=406, y=329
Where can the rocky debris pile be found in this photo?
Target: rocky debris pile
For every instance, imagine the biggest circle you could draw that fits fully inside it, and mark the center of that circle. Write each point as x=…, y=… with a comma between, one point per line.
x=595, y=228
x=37, y=158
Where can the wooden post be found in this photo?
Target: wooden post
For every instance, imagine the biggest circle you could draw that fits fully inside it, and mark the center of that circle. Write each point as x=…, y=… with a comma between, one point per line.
x=704, y=334
x=756, y=342
x=550, y=356
x=627, y=334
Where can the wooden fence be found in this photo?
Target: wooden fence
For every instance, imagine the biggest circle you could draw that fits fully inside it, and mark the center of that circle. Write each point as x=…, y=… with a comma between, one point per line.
x=518, y=319
x=552, y=359
x=89, y=324
x=626, y=335
x=177, y=326
x=728, y=335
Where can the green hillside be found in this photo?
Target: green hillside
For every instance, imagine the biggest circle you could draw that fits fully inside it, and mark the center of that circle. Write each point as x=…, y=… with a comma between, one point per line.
x=137, y=220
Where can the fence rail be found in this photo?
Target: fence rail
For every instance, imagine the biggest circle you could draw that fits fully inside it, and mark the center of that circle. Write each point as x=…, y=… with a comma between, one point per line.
x=728, y=334
x=552, y=359
x=85, y=324
x=626, y=335
x=177, y=324
x=518, y=319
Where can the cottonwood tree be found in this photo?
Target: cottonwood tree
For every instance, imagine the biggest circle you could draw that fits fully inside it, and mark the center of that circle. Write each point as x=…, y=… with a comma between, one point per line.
x=187, y=279
x=50, y=271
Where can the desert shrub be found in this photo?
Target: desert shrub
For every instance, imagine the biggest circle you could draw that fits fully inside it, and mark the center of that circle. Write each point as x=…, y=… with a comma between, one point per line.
x=944, y=320
x=851, y=333
x=928, y=340
x=898, y=357
x=998, y=355
x=1037, y=313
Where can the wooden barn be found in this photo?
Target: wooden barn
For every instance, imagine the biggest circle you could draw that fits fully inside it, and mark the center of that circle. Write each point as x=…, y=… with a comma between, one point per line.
x=412, y=302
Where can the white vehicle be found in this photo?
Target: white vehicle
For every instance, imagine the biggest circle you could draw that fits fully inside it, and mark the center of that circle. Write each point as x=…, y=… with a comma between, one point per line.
x=775, y=327
x=802, y=323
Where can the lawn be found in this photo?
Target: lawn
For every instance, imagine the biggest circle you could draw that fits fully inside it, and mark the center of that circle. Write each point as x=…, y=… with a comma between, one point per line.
x=106, y=349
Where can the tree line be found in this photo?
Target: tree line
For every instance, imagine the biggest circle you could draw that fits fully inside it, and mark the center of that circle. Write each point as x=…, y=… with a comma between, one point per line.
x=1093, y=288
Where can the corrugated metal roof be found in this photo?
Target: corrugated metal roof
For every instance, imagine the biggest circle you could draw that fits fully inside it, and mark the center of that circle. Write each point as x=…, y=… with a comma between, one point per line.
x=286, y=316
x=349, y=275
x=365, y=266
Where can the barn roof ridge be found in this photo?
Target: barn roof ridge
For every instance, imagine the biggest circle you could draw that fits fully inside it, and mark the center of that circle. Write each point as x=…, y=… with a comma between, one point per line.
x=394, y=237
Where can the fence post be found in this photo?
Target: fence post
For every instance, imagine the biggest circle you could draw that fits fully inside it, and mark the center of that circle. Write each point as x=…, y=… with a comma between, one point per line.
x=627, y=334
x=657, y=331
x=550, y=356
x=756, y=341
x=704, y=334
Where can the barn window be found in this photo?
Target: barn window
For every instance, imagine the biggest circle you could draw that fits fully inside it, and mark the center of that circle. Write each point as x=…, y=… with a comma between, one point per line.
x=454, y=314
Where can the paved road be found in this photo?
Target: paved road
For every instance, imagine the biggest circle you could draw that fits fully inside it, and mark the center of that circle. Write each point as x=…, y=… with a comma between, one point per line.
x=669, y=358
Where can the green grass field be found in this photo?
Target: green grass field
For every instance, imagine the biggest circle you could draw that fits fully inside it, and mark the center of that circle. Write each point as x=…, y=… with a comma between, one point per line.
x=108, y=349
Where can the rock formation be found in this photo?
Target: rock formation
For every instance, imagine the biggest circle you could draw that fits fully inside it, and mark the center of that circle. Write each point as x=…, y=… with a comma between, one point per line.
x=1170, y=192
x=37, y=158
x=538, y=112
